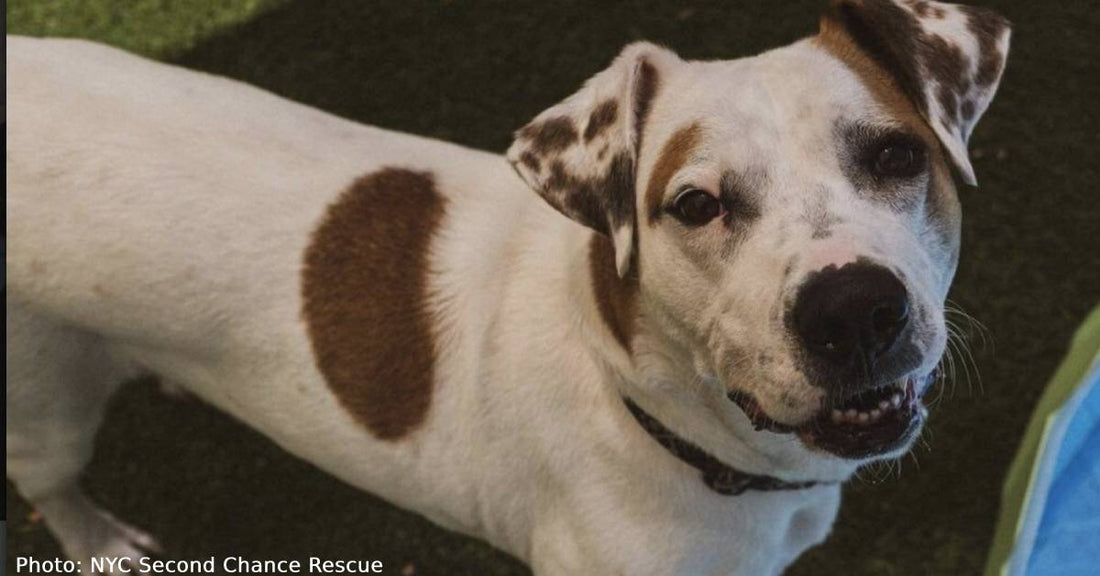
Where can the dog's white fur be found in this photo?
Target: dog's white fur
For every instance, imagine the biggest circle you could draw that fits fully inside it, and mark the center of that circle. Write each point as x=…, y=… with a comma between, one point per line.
x=157, y=219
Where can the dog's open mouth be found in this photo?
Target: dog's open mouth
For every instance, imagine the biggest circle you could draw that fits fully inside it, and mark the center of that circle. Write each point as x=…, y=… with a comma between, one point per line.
x=868, y=424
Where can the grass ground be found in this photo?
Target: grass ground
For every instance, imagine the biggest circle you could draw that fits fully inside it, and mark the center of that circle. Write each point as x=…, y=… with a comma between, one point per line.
x=472, y=72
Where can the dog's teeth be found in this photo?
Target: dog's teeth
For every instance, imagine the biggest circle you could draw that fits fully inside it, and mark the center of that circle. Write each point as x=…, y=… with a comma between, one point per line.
x=851, y=414
x=884, y=405
x=875, y=414
x=896, y=400
x=864, y=417
x=837, y=415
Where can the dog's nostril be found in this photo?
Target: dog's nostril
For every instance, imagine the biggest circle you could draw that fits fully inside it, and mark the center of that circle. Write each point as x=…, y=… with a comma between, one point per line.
x=888, y=319
x=889, y=315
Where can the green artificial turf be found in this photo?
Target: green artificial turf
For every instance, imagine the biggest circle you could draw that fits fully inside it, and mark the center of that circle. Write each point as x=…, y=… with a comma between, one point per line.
x=472, y=72
x=155, y=28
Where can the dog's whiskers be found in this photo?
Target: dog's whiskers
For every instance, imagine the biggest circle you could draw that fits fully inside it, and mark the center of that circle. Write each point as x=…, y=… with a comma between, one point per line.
x=958, y=341
x=974, y=326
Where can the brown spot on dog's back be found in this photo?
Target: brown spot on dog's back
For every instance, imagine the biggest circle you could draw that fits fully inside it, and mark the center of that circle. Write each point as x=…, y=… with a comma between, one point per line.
x=364, y=290
x=616, y=297
x=676, y=152
x=601, y=118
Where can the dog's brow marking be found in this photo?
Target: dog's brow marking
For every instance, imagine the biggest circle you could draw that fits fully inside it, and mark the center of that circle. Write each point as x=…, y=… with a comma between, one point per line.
x=616, y=297
x=601, y=118
x=836, y=41
x=675, y=153
x=846, y=34
x=364, y=290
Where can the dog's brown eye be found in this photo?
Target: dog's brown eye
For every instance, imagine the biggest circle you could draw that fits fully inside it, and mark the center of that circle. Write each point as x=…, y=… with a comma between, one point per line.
x=696, y=207
x=899, y=160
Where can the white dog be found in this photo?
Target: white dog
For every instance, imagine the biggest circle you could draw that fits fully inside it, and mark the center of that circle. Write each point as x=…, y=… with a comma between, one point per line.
x=744, y=305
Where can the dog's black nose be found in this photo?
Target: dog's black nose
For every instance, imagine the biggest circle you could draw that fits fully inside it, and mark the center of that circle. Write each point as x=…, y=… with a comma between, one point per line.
x=850, y=317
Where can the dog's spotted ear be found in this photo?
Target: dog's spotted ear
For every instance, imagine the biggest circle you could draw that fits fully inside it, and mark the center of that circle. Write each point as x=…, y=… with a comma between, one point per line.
x=580, y=155
x=947, y=58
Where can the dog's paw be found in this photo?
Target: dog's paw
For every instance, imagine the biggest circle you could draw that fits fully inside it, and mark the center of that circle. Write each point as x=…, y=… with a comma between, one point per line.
x=114, y=539
x=121, y=539
x=86, y=532
x=118, y=541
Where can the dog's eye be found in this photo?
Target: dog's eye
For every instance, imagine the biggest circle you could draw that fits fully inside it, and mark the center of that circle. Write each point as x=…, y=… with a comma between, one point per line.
x=899, y=159
x=696, y=207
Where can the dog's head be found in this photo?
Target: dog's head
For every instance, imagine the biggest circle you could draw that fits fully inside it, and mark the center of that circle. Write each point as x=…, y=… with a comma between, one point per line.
x=784, y=228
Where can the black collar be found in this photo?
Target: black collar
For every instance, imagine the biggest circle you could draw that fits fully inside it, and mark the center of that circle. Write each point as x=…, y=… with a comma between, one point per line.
x=717, y=476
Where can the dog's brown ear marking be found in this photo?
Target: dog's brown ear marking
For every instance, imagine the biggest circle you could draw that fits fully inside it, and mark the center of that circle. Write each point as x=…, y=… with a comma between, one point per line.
x=365, y=299
x=531, y=161
x=601, y=118
x=616, y=298
x=551, y=135
x=581, y=154
x=925, y=9
x=645, y=91
x=946, y=58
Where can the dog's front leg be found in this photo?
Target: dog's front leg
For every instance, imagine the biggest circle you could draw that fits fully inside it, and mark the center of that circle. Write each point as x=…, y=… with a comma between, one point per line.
x=583, y=537
x=557, y=549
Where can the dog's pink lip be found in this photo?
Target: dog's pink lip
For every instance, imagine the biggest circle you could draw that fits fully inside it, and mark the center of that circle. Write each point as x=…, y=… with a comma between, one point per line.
x=849, y=431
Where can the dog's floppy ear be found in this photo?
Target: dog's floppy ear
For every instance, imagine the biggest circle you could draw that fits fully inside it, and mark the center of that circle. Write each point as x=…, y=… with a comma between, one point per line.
x=581, y=154
x=947, y=58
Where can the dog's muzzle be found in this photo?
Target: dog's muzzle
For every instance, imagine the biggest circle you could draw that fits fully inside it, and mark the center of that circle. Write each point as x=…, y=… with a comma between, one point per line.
x=849, y=322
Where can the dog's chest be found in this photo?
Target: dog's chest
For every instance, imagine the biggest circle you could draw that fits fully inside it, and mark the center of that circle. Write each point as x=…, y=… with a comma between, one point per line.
x=691, y=531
